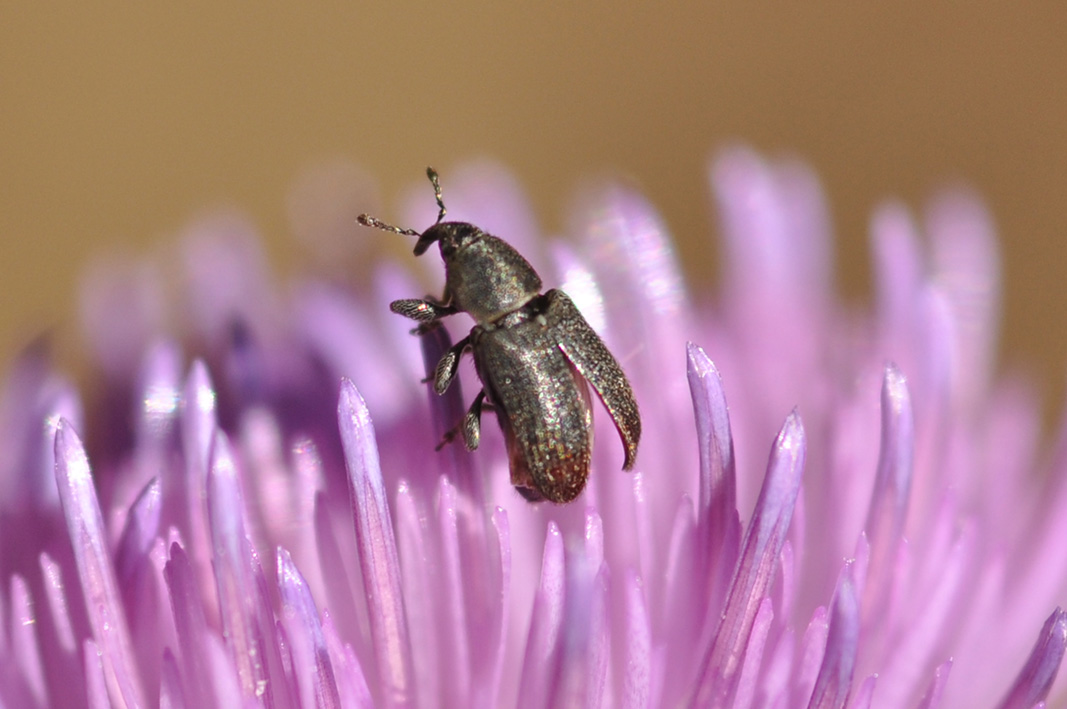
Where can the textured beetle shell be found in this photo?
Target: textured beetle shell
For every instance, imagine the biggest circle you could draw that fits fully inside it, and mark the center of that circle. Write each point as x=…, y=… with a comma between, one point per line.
x=587, y=352
x=541, y=402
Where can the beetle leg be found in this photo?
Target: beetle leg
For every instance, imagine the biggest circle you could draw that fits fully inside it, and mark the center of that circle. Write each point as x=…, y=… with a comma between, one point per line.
x=472, y=423
x=470, y=427
x=447, y=366
x=421, y=310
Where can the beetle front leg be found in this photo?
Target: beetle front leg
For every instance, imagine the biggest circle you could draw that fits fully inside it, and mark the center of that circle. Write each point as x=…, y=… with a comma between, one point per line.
x=421, y=310
x=470, y=426
x=448, y=365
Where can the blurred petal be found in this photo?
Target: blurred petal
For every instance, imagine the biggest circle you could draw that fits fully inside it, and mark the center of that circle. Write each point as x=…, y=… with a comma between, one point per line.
x=377, y=548
x=95, y=569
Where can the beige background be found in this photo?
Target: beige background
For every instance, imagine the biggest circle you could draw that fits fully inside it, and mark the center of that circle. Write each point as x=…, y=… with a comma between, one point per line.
x=117, y=124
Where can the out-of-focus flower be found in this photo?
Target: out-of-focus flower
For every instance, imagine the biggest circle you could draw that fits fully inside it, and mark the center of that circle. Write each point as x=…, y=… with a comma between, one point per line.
x=232, y=530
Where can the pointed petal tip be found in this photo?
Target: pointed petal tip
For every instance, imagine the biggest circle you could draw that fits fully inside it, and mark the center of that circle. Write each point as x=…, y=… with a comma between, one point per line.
x=1035, y=680
x=68, y=444
x=350, y=405
x=699, y=362
x=792, y=438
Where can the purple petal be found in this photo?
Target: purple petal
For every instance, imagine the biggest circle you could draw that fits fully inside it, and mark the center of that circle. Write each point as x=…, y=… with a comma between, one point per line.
x=377, y=549
x=1035, y=679
x=35, y=401
x=937, y=599
x=865, y=694
x=25, y=646
x=812, y=655
x=160, y=387
x=932, y=698
x=626, y=236
x=717, y=510
x=312, y=669
x=85, y=525
x=142, y=526
x=198, y=424
x=351, y=682
x=55, y=592
x=96, y=684
x=342, y=334
x=777, y=257
x=224, y=681
x=834, y=683
x=889, y=498
x=542, y=640
x=503, y=587
x=575, y=652
x=577, y=281
x=748, y=682
x=637, y=672
x=892, y=484
x=599, y=649
x=171, y=695
x=594, y=538
x=189, y=622
x=683, y=588
x=416, y=555
x=756, y=566
x=235, y=582
x=967, y=270
x=457, y=650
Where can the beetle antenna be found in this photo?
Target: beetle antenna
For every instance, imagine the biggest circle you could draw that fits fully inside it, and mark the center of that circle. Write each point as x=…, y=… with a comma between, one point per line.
x=368, y=220
x=436, y=182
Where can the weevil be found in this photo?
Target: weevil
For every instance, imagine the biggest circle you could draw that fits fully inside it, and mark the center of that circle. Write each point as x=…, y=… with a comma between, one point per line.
x=534, y=353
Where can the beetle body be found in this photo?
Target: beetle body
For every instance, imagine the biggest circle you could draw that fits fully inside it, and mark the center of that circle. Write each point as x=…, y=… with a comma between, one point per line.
x=535, y=354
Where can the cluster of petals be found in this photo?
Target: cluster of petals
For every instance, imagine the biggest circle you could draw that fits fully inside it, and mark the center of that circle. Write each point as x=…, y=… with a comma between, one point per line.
x=247, y=508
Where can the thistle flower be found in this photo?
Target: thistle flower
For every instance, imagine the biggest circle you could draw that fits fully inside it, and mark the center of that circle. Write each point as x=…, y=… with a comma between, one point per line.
x=251, y=511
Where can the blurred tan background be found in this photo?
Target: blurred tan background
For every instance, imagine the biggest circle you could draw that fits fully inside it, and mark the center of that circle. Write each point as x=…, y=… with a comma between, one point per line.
x=117, y=125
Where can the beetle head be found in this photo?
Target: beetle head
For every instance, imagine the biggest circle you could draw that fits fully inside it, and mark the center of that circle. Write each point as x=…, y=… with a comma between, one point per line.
x=484, y=276
x=452, y=236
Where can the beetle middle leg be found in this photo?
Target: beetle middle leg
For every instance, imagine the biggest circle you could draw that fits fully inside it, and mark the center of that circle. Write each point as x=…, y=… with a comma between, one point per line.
x=448, y=365
x=470, y=427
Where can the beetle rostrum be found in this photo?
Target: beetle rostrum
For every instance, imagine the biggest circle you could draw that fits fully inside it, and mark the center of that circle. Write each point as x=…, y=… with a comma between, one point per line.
x=534, y=353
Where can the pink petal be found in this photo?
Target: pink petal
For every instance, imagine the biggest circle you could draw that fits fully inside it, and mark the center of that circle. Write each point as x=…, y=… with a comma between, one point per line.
x=717, y=511
x=932, y=698
x=758, y=561
x=85, y=525
x=233, y=575
x=377, y=549
x=834, y=683
x=539, y=664
x=312, y=668
x=1035, y=679
x=637, y=671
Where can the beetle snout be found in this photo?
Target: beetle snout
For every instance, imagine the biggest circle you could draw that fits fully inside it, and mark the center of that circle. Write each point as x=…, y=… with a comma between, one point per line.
x=424, y=242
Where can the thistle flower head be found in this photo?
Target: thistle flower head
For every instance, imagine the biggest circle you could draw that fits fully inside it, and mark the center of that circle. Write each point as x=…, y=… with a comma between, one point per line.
x=252, y=513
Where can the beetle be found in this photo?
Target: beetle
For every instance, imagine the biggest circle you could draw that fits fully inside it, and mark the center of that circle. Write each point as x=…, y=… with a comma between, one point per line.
x=533, y=352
